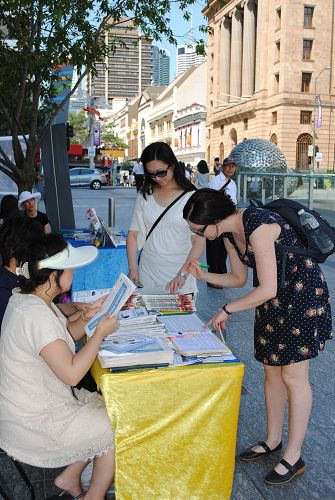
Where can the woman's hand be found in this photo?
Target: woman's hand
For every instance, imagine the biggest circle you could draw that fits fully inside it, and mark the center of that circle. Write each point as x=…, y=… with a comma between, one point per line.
x=175, y=284
x=133, y=276
x=219, y=320
x=196, y=271
x=92, y=309
x=108, y=324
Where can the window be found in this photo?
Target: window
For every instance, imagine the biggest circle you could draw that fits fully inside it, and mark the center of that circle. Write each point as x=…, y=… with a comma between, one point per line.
x=278, y=18
x=274, y=118
x=306, y=82
x=305, y=117
x=307, y=50
x=211, y=85
x=222, y=129
x=308, y=17
x=245, y=124
x=276, y=82
x=277, y=59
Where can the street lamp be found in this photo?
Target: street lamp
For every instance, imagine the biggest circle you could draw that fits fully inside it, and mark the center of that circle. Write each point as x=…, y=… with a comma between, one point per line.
x=314, y=117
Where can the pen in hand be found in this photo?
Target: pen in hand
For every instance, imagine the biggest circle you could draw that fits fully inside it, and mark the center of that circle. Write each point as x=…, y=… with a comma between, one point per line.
x=204, y=266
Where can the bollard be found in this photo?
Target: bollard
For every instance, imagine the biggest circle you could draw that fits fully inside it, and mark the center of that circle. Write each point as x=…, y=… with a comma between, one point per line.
x=111, y=212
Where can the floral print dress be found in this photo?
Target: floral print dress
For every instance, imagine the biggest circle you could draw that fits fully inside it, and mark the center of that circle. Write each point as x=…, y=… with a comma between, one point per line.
x=295, y=325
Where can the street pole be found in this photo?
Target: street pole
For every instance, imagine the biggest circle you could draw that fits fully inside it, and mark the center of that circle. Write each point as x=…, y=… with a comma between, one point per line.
x=314, y=112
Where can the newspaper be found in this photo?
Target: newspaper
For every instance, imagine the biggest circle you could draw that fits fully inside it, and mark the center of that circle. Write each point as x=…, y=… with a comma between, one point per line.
x=116, y=299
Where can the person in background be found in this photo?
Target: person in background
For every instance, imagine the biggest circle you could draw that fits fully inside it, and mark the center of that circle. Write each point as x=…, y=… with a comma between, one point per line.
x=202, y=175
x=15, y=234
x=170, y=243
x=216, y=252
x=217, y=166
x=118, y=176
x=41, y=422
x=28, y=203
x=8, y=207
x=292, y=318
x=138, y=172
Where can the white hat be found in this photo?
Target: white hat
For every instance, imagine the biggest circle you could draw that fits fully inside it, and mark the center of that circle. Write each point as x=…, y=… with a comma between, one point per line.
x=70, y=258
x=26, y=195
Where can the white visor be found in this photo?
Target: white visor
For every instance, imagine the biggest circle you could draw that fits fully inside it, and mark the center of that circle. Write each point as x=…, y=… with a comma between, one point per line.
x=70, y=258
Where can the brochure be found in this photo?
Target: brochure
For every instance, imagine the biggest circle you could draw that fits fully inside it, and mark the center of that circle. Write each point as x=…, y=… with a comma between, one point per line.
x=195, y=344
x=114, y=302
x=134, y=350
x=169, y=304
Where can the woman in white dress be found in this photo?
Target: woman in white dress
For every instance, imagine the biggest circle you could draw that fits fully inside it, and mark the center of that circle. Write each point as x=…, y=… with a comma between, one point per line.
x=168, y=249
x=42, y=421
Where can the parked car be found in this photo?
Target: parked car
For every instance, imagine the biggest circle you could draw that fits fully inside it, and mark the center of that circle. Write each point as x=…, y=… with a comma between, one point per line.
x=91, y=177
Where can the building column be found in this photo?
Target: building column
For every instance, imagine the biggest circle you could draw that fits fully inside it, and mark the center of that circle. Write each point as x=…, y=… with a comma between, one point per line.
x=236, y=54
x=261, y=38
x=249, y=47
x=223, y=87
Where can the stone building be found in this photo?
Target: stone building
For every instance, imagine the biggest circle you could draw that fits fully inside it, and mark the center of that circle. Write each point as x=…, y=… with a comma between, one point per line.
x=271, y=69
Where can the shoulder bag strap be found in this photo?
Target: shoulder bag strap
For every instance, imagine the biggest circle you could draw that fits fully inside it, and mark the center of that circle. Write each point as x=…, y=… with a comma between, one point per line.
x=160, y=218
x=225, y=185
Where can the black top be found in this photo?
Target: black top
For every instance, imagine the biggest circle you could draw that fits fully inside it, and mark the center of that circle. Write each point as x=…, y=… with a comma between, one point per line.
x=8, y=281
x=41, y=218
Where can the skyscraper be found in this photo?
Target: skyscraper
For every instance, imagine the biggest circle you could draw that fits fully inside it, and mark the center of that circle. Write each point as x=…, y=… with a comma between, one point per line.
x=126, y=71
x=160, y=66
x=187, y=57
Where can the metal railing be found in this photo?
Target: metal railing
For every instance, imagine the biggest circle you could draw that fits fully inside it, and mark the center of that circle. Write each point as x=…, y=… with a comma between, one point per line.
x=311, y=189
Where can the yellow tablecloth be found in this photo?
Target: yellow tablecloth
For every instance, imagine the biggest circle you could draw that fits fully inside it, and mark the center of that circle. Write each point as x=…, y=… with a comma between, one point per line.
x=175, y=430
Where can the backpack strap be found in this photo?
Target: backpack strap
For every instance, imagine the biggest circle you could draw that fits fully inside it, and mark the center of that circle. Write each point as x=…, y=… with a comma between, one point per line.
x=160, y=218
x=225, y=185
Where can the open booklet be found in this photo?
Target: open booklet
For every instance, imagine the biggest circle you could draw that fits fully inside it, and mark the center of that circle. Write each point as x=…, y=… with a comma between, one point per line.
x=115, y=300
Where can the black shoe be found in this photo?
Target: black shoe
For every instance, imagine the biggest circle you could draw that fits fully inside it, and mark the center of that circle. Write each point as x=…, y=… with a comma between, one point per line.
x=275, y=479
x=250, y=454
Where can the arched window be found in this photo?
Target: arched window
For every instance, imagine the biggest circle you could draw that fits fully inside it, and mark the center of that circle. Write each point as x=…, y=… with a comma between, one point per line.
x=302, y=159
x=232, y=138
x=209, y=154
x=274, y=139
x=221, y=151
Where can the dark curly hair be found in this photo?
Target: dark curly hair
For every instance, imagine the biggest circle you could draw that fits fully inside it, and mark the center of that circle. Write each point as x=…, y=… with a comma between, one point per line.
x=15, y=234
x=163, y=152
x=44, y=246
x=208, y=206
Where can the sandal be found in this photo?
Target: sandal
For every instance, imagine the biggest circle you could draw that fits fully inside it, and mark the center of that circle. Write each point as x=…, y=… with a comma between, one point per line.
x=275, y=479
x=250, y=454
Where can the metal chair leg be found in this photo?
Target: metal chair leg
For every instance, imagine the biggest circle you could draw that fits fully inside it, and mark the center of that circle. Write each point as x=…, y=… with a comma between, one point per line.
x=25, y=478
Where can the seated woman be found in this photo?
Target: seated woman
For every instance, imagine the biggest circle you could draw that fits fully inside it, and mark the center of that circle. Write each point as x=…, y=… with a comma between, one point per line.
x=28, y=203
x=42, y=422
x=8, y=207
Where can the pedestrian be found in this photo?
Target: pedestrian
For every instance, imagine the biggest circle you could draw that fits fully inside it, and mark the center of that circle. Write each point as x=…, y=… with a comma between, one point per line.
x=292, y=320
x=125, y=179
x=138, y=172
x=216, y=253
x=159, y=208
x=202, y=174
x=8, y=207
x=28, y=203
x=118, y=177
x=217, y=166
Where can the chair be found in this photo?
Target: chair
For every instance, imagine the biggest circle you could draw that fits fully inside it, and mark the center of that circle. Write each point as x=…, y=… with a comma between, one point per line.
x=24, y=476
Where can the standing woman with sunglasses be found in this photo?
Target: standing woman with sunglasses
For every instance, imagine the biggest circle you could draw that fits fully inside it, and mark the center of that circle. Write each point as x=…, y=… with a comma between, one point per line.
x=168, y=248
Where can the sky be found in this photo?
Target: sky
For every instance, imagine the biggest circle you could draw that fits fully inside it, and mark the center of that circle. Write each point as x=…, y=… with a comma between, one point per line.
x=181, y=30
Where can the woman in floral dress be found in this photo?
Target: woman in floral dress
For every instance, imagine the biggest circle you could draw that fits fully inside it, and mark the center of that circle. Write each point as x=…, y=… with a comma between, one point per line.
x=292, y=321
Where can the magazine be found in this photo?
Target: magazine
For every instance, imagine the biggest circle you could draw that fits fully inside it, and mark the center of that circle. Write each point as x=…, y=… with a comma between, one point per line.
x=169, y=303
x=114, y=302
x=134, y=350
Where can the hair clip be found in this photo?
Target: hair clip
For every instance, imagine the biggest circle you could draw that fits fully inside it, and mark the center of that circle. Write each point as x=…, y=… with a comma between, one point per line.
x=23, y=271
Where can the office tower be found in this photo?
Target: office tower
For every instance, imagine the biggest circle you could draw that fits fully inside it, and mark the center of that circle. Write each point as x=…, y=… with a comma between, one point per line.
x=160, y=66
x=270, y=75
x=127, y=71
x=187, y=57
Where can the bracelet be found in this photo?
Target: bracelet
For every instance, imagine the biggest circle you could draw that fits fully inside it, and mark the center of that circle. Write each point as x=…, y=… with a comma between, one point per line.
x=84, y=317
x=225, y=309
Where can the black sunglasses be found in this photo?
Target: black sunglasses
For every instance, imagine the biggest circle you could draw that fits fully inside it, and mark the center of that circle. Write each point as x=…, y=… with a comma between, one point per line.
x=199, y=232
x=159, y=173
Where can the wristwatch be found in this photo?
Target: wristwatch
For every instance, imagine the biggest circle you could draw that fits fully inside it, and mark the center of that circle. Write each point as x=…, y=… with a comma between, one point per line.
x=181, y=274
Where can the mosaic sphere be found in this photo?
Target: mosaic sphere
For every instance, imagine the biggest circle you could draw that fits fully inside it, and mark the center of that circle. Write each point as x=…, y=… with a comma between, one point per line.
x=258, y=156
